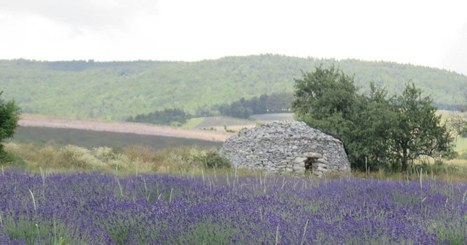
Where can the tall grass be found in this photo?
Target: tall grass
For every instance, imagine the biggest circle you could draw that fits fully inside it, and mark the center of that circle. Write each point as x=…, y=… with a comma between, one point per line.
x=193, y=161
x=123, y=161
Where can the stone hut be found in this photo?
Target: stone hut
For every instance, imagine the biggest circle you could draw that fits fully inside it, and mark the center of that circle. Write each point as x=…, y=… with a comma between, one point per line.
x=286, y=147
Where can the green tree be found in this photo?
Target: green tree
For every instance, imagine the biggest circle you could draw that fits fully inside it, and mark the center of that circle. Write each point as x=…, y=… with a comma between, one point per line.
x=167, y=116
x=9, y=116
x=373, y=121
x=419, y=130
x=325, y=99
x=376, y=130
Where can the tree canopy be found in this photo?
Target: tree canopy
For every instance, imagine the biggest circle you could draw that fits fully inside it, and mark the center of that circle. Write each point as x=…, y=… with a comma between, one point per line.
x=244, y=108
x=417, y=130
x=167, y=116
x=378, y=131
x=9, y=116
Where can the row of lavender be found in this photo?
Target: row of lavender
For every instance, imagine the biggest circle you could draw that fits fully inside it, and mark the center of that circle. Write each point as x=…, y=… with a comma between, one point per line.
x=159, y=209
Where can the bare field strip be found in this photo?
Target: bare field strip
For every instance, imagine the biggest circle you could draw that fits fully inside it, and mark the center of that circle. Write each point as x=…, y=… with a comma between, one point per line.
x=121, y=127
x=91, y=139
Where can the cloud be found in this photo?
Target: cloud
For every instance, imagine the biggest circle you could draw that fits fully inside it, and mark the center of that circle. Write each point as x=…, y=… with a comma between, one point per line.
x=456, y=57
x=82, y=14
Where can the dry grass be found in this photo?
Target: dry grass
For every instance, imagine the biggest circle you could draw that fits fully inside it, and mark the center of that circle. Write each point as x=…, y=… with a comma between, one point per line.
x=122, y=161
x=460, y=145
x=176, y=161
x=458, y=162
x=104, y=159
x=445, y=173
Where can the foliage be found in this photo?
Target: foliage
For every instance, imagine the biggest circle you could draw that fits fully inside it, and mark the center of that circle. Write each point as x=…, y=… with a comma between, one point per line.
x=36, y=231
x=418, y=130
x=458, y=123
x=212, y=159
x=9, y=116
x=377, y=131
x=118, y=90
x=166, y=116
x=325, y=99
x=162, y=209
x=244, y=108
x=370, y=137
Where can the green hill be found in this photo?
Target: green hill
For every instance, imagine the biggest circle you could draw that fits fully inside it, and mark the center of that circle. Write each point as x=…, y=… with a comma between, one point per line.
x=116, y=90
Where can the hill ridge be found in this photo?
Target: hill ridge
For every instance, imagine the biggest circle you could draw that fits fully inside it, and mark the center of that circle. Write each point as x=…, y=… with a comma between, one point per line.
x=119, y=89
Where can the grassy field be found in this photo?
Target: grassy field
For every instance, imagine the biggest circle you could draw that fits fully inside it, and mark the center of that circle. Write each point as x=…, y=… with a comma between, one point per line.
x=461, y=149
x=223, y=123
x=461, y=145
x=272, y=117
x=217, y=123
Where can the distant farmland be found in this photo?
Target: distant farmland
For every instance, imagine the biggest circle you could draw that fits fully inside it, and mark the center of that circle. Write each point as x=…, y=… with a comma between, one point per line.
x=85, y=138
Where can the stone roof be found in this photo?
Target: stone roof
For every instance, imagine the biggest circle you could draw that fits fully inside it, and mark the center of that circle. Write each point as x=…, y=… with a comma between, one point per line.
x=290, y=146
x=288, y=129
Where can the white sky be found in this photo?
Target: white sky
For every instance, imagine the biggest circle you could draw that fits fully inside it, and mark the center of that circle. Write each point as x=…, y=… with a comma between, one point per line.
x=431, y=33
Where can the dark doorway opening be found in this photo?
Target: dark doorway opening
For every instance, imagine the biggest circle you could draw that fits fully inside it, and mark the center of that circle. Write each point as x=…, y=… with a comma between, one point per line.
x=309, y=164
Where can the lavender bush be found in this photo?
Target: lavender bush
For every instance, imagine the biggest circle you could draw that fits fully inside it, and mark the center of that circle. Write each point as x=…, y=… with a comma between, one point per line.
x=161, y=209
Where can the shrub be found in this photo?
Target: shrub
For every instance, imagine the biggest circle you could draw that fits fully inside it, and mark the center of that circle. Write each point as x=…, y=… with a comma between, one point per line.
x=9, y=116
x=463, y=155
x=212, y=159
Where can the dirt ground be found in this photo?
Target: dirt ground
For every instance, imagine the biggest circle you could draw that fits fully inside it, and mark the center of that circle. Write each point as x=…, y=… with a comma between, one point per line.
x=28, y=120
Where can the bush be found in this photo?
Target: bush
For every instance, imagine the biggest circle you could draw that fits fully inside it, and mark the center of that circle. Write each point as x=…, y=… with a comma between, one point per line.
x=212, y=159
x=9, y=116
x=7, y=159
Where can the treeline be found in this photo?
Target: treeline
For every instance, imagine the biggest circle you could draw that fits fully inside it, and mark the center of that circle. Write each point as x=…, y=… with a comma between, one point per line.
x=174, y=117
x=242, y=108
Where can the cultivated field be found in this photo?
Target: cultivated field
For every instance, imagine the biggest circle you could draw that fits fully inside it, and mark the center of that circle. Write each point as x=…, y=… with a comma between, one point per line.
x=161, y=209
x=28, y=120
x=145, y=184
x=91, y=139
x=230, y=124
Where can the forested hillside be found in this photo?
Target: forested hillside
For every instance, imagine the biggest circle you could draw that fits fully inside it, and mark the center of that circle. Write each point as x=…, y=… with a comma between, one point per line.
x=117, y=90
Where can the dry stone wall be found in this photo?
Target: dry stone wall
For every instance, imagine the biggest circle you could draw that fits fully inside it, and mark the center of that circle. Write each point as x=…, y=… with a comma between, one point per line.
x=286, y=147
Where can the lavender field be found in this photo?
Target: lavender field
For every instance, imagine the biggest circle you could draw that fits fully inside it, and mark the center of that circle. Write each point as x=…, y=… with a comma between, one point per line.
x=162, y=209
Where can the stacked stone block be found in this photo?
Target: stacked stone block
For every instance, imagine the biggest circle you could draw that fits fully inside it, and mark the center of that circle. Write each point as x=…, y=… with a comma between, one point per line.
x=291, y=147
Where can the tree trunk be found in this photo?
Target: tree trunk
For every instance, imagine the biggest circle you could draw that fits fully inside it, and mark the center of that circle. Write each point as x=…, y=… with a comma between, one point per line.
x=404, y=160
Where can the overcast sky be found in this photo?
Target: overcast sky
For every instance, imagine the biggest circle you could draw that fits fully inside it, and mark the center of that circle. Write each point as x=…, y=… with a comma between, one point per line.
x=430, y=33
